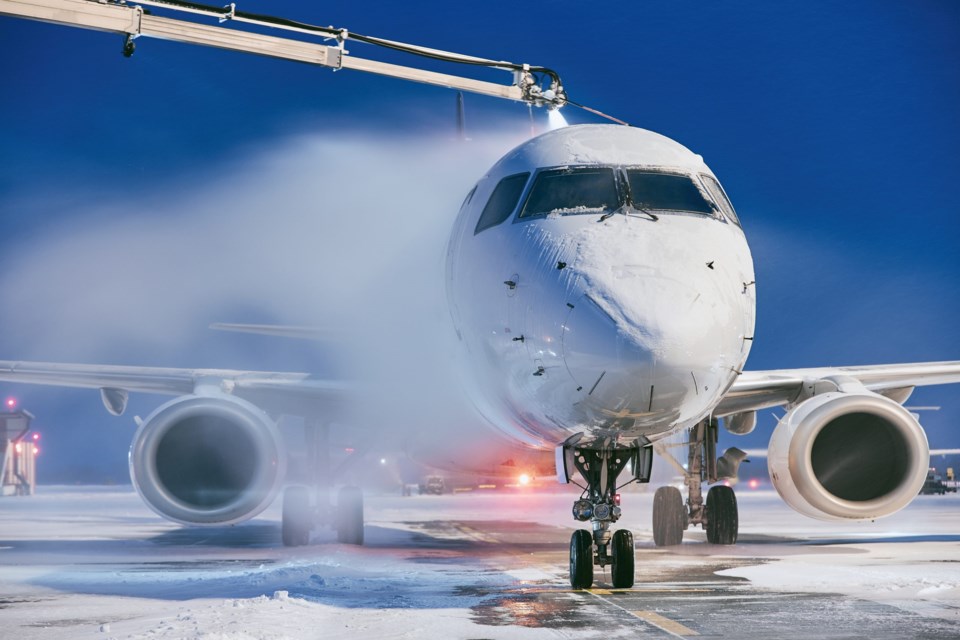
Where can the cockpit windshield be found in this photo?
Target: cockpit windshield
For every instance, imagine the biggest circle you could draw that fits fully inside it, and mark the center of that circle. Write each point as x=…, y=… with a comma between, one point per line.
x=716, y=191
x=666, y=191
x=572, y=191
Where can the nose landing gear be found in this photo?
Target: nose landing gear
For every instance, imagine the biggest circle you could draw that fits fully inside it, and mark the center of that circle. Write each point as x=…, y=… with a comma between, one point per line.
x=600, y=463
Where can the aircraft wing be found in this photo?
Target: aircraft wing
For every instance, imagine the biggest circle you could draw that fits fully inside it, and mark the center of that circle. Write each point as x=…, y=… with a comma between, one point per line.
x=276, y=330
x=755, y=390
x=270, y=390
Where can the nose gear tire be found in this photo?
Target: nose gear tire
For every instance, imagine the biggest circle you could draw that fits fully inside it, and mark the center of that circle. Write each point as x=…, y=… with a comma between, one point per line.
x=621, y=568
x=581, y=559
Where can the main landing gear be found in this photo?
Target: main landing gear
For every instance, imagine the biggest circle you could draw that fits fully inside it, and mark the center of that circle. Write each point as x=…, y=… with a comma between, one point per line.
x=306, y=507
x=600, y=463
x=719, y=516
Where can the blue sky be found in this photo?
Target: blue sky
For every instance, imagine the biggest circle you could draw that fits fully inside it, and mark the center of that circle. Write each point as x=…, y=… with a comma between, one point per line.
x=833, y=127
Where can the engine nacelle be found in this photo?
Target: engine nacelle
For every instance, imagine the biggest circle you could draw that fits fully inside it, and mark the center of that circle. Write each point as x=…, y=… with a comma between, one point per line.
x=207, y=460
x=839, y=456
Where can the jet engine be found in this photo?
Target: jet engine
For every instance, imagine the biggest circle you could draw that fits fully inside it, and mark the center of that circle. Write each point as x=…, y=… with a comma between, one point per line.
x=848, y=454
x=207, y=460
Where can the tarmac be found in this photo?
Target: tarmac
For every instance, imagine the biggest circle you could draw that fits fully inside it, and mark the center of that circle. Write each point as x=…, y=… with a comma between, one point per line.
x=94, y=562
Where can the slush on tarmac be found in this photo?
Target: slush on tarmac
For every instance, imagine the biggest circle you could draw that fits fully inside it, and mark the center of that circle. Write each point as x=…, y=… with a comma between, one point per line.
x=92, y=562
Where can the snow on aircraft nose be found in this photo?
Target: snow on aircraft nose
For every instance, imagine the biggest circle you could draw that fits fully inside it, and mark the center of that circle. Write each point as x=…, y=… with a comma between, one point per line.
x=639, y=371
x=647, y=344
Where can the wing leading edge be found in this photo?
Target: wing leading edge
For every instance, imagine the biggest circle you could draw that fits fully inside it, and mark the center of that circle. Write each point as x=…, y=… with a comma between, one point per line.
x=272, y=390
x=756, y=390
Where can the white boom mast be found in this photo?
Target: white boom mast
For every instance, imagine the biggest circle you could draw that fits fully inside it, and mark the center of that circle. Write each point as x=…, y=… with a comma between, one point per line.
x=133, y=21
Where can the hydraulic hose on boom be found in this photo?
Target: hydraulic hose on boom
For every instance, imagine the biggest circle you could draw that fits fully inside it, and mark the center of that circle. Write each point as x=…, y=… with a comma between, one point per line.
x=533, y=85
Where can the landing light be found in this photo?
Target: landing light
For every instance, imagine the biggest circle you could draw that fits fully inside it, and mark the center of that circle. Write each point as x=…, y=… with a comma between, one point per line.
x=524, y=479
x=602, y=511
x=582, y=510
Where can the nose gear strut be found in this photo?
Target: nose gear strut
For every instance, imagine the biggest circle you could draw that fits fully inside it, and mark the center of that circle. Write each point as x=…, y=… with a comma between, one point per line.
x=600, y=462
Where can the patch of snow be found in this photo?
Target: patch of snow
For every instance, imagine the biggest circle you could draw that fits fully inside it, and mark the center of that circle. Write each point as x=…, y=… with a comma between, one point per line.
x=599, y=144
x=95, y=565
x=563, y=211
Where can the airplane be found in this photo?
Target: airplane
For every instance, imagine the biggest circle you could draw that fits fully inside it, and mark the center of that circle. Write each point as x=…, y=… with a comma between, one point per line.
x=602, y=292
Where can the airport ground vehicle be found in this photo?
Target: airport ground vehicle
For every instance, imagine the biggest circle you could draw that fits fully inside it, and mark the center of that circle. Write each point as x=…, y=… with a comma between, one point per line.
x=934, y=484
x=433, y=485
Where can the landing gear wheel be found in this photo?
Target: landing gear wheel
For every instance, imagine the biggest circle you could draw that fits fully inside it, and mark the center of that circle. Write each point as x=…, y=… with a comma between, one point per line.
x=297, y=519
x=350, y=515
x=669, y=517
x=581, y=559
x=722, y=517
x=621, y=568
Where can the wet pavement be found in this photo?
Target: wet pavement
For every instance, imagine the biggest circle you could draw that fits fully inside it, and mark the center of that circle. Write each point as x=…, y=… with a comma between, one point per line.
x=677, y=594
x=491, y=566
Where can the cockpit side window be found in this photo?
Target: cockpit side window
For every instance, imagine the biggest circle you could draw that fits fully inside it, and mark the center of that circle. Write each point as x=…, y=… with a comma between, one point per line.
x=469, y=197
x=502, y=202
x=572, y=191
x=666, y=191
x=719, y=195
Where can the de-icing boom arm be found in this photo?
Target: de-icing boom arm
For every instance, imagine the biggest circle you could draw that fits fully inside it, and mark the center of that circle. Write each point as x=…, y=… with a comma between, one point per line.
x=531, y=84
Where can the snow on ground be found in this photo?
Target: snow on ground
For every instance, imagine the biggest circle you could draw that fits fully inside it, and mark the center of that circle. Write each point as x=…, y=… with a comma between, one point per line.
x=95, y=563
x=910, y=560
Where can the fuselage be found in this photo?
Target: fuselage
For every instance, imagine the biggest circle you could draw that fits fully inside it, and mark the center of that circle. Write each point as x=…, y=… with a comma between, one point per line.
x=599, y=282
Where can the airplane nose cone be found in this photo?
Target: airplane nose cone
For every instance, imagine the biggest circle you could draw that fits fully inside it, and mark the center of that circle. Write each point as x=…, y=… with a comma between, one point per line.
x=640, y=364
x=610, y=368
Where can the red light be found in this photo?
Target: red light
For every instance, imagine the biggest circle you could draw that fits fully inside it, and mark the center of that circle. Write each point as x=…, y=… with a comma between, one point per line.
x=11, y=403
x=616, y=499
x=754, y=483
x=36, y=437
